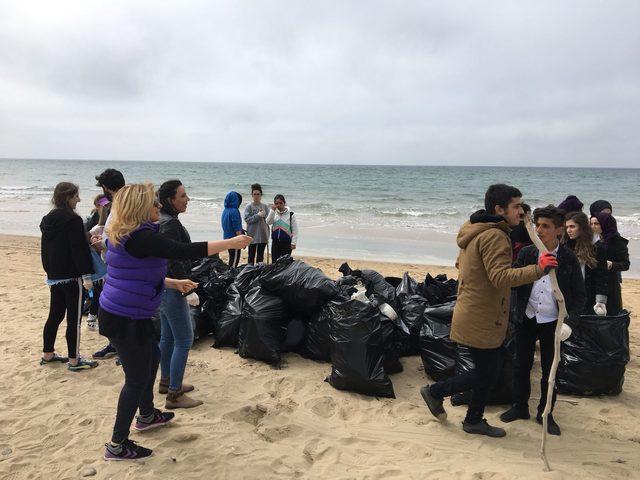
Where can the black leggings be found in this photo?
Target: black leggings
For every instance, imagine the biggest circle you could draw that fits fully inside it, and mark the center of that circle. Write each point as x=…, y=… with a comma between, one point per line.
x=259, y=249
x=95, y=301
x=480, y=380
x=65, y=298
x=279, y=249
x=140, y=359
x=234, y=257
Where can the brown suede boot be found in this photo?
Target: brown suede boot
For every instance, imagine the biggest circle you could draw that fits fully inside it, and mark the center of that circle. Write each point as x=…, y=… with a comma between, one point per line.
x=177, y=399
x=163, y=386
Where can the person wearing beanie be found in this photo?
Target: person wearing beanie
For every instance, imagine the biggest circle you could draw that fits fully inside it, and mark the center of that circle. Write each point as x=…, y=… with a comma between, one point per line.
x=571, y=204
x=617, y=257
x=600, y=206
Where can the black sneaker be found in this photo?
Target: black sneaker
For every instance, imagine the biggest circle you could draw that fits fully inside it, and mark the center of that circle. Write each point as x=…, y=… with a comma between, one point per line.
x=434, y=404
x=516, y=412
x=106, y=352
x=552, y=427
x=483, y=428
x=127, y=450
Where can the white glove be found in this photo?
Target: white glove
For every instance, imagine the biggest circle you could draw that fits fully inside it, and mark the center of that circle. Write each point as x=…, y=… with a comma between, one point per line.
x=600, y=309
x=565, y=332
x=87, y=284
x=193, y=299
x=261, y=214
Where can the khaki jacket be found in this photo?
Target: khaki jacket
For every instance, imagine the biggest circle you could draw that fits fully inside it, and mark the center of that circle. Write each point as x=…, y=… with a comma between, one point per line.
x=481, y=314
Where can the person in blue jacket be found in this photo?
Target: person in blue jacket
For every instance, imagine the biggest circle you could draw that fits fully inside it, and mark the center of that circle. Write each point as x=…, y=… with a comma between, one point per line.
x=232, y=223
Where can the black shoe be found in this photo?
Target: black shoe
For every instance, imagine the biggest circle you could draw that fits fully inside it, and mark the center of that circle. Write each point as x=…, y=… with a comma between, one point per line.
x=483, y=428
x=516, y=412
x=434, y=404
x=552, y=427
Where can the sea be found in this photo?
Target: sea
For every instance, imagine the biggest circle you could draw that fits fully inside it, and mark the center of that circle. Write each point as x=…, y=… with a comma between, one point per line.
x=407, y=214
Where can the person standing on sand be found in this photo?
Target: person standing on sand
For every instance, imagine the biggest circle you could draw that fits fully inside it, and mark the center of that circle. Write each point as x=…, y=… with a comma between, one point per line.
x=232, y=223
x=284, y=230
x=537, y=314
x=136, y=278
x=110, y=180
x=616, y=256
x=481, y=314
x=66, y=258
x=255, y=214
x=175, y=316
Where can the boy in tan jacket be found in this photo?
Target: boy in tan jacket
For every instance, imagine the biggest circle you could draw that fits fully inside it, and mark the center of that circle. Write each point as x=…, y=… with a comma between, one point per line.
x=481, y=314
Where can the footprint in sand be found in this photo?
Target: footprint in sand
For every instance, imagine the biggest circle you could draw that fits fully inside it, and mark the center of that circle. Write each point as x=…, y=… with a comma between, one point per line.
x=275, y=434
x=318, y=449
x=247, y=414
x=324, y=407
x=487, y=476
x=185, y=437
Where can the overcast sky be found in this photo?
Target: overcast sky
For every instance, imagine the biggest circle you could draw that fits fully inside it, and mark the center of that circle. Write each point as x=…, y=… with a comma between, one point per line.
x=403, y=82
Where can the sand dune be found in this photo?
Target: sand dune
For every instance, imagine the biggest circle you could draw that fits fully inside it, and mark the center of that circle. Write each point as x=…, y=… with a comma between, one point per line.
x=258, y=422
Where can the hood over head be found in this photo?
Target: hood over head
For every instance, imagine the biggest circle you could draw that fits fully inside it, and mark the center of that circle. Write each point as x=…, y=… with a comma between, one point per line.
x=232, y=200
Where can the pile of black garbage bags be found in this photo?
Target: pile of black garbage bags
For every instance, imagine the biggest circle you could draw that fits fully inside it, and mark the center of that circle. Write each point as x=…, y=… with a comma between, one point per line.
x=363, y=323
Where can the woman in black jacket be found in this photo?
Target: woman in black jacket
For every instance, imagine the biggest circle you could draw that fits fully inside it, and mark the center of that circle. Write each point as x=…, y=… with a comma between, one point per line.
x=175, y=317
x=67, y=260
x=616, y=255
x=579, y=238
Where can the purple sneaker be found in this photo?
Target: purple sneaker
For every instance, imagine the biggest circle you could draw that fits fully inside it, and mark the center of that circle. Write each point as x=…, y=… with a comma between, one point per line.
x=127, y=450
x=159, y=419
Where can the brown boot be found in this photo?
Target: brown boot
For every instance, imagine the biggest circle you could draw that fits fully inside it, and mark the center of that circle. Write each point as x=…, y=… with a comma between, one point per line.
x=163, y=387
x=177, y=399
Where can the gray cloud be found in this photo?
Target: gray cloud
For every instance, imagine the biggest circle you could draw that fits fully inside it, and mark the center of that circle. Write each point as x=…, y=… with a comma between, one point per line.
x=323, y=82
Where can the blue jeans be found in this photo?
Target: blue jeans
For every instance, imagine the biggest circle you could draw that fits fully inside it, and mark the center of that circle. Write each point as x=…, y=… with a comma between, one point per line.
x=176, y=337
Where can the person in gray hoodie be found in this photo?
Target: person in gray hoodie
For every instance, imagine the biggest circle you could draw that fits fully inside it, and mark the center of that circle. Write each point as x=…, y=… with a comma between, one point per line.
x=255, y=214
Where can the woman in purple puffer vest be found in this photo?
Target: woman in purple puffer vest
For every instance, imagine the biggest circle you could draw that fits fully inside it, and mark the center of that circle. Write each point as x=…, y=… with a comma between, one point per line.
x=136, y=269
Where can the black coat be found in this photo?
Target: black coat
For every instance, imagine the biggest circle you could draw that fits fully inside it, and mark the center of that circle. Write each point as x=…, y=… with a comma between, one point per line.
x=596, y=279
x=616, y=252
x=64, y=247
x=570, y=281
x=172, y=228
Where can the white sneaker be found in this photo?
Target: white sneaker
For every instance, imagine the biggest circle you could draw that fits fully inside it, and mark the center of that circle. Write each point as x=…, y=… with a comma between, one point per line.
x=92, y=322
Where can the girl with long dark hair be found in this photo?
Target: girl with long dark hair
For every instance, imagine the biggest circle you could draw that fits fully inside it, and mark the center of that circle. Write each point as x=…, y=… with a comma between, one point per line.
x=579, y=238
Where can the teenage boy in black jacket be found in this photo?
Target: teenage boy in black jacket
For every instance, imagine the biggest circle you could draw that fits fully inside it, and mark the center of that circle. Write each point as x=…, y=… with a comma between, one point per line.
x=536, y=314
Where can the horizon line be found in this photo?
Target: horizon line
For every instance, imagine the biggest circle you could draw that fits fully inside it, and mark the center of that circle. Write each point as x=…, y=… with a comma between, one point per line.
x=315, y=164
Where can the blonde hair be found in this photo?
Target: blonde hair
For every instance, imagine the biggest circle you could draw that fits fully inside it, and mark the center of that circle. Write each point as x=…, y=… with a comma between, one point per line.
x=131, y=207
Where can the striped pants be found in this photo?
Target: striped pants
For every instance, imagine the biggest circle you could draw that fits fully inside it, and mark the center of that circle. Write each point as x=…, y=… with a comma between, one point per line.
x=65, y=298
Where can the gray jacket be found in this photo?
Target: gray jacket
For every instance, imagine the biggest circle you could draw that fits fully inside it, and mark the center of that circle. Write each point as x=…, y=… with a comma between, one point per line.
x=256, y=225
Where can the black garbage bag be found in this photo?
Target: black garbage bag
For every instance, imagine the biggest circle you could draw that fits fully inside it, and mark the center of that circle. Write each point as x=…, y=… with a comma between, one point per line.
x=393, y=281
x=227, y=328
x=347, y=286
x=316, y=345
x=303, y=287
x=438, y=290
x=296, y=333
x=594, y=357
x=407, y=287
x=502, y=391
x=437, y=350
x=377, y=286
x=248, y=277
x=357, y=349
x=205, y=318
x=390, y=332
x=263, y=326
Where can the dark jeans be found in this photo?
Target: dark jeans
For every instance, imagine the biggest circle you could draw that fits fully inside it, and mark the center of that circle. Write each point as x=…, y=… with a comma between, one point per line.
x=279, y=249
x=65, y=298
x=259, y=249
x=480, y=380
x=140, y=358
x=526, y=334
x=95, y=301
x=234, y=257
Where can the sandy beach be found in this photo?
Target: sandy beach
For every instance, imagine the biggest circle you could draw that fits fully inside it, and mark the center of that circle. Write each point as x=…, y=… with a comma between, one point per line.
x=258, y=422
